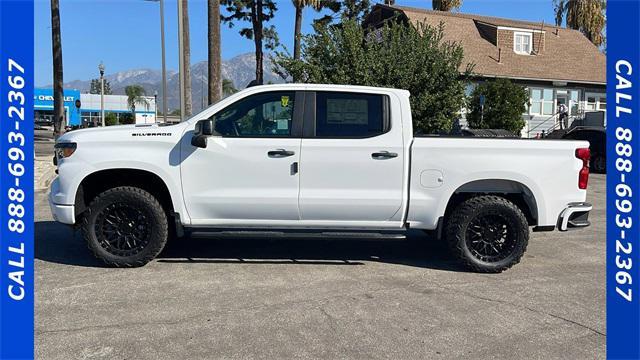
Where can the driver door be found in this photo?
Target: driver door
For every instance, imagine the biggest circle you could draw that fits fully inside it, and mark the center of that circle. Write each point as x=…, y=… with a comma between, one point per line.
x=249, y=169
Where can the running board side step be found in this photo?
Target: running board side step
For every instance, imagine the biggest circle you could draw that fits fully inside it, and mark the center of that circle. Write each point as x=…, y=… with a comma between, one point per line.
x=388, y=235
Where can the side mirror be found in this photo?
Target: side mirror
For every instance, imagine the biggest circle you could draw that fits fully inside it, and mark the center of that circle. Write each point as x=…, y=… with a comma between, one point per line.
x=204, y=129
x=199, y=141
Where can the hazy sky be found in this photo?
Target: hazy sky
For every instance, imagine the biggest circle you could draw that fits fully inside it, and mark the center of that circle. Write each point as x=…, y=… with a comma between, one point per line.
x=125, y=34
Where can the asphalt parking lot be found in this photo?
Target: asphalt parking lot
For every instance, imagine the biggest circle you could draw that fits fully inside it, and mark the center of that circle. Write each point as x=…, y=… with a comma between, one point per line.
x=275, y=299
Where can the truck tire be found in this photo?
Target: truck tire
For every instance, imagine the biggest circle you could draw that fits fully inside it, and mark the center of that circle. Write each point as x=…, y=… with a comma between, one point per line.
x=125, y=227
x=599, y=164
x=487, y=233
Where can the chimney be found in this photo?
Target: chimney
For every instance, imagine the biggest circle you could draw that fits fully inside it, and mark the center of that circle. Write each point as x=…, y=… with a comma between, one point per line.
x=389, y=2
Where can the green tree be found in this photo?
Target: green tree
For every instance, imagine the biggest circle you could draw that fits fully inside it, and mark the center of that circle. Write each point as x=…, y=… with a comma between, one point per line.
x=228, y=88
x=135, y=96
x=95, y=87
x=341, y=10
x=405, y=57
x=257, y=13
x=587, y=16
x=505, y=102
x=446, y=5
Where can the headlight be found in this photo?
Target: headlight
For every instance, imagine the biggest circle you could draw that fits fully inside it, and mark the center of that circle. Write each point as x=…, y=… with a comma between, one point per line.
x=65, y=149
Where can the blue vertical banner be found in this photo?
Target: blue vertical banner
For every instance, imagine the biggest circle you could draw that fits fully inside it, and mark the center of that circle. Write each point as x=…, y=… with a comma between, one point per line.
x=16, y=179
x=623, y=182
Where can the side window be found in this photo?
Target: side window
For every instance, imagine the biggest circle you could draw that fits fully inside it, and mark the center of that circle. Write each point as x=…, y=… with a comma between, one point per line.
x=261, y=115
x=349, y=115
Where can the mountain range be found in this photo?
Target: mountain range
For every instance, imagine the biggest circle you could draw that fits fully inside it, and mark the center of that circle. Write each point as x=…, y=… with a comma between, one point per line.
x=239, y=69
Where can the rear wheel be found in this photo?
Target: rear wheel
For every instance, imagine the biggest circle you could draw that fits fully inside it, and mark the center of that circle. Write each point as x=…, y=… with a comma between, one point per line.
x=487, y=233
x=125, y=227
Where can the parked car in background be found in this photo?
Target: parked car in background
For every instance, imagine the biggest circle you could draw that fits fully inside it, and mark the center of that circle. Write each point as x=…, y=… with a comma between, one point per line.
x=597, y=138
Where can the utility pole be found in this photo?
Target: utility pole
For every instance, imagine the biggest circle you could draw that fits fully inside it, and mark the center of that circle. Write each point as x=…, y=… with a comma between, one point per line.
x=181, y=69
x=164, y=66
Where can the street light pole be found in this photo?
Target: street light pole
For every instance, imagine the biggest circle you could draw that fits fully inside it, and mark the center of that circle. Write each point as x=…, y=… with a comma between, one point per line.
x=155, y=105
x=101, y=69
x=164, y=67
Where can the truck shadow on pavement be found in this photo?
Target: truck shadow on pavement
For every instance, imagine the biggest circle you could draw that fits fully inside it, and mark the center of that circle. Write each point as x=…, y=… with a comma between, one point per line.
x=58, y=243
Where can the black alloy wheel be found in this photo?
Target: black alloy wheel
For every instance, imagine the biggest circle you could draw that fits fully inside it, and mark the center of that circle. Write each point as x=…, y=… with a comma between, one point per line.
x=123, y=229
x=125, y=226
x=487, y=233
x=490, y=237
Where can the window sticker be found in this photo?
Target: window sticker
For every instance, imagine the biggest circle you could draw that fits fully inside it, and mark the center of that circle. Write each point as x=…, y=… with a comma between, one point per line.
x=284, y=101
x=347, y=111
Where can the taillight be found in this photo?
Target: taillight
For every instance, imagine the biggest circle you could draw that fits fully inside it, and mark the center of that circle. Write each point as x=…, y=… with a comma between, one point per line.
x=583, y=154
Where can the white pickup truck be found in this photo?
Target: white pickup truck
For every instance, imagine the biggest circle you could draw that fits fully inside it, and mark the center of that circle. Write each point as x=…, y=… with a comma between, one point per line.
x=322, y=160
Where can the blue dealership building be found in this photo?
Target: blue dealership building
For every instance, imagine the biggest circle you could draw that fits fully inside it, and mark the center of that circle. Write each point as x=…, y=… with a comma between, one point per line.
x=88, y=111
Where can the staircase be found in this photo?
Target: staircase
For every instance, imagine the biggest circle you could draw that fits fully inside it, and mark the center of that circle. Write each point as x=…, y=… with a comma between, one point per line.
x=549, y=128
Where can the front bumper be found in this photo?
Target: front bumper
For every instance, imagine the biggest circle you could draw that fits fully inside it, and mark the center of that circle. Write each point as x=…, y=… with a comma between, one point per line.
x=62, y=213
x=574, y=216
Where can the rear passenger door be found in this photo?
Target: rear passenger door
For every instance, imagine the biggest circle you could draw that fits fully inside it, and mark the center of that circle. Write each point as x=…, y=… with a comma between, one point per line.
x=351, y=158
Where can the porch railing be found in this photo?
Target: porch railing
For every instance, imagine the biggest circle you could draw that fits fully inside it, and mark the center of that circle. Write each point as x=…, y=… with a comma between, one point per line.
x=555, y=126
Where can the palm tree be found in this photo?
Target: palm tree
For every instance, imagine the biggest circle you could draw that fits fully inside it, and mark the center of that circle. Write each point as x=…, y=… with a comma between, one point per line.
x=300, y=5
x=214, y=57
x=258, y=35
x=135, y=95
x=187, y=59
x=446, y=5
x=58, y=91
x=587, y=16
x=228, y=88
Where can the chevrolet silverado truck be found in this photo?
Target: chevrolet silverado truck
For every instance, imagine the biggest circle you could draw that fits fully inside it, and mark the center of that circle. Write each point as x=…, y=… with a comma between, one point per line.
x=317, y=160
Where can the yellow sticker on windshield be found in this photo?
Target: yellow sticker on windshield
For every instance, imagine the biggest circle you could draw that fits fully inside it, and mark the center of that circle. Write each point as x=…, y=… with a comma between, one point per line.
x=284, y=101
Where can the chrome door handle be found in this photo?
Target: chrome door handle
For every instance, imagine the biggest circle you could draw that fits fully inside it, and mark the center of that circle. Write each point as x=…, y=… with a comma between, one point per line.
x=383, y=155
x=280, y=153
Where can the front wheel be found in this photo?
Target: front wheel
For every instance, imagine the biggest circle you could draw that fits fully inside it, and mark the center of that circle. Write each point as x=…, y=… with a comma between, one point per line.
x=125, y=227
x=487, y=233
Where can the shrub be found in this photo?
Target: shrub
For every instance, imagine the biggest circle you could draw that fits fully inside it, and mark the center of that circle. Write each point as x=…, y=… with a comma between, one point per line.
x=399, y=56
x=110, y=119
x=505, y=102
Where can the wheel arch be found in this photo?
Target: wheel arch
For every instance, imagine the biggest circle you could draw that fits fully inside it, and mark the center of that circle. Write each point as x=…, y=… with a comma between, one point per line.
x=101, y=180
x=515, y=191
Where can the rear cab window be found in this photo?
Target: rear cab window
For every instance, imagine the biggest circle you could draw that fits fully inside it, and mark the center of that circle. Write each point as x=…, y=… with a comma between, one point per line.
x=350, y=115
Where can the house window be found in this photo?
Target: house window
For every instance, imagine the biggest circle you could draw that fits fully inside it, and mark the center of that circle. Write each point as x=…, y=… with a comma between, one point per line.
x=541, y=102
x=522, y=43
x=575, y=102
x=596, y=102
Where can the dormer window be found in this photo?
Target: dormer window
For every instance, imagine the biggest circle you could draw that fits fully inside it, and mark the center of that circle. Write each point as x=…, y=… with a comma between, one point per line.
x=522, y=42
